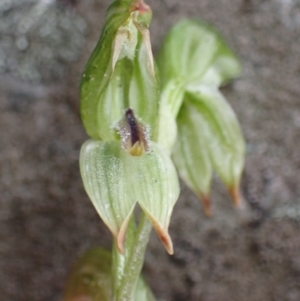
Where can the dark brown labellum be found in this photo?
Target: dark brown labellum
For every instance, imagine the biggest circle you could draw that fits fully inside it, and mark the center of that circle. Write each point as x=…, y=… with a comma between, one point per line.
x=133, y=133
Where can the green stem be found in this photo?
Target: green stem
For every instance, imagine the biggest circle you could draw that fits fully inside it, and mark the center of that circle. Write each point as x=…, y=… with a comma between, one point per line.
x=127, y=267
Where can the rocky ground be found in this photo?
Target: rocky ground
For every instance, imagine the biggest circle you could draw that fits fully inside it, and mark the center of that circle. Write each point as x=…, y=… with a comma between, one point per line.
x=46, y=218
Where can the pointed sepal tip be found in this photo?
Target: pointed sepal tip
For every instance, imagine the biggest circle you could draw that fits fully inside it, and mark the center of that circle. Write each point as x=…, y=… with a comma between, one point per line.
x=121, y=235
x=235, y=194
x=206, y=203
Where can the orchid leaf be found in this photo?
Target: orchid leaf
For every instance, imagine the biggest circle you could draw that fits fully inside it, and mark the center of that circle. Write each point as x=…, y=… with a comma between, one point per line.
x=90, y=278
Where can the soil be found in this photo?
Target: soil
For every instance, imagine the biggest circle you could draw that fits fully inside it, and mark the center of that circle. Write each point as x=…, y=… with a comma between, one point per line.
x=46, y=218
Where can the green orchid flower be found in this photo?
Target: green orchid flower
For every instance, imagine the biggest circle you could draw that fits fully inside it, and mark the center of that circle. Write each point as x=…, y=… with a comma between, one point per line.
x=117, y=175
x=205, y=134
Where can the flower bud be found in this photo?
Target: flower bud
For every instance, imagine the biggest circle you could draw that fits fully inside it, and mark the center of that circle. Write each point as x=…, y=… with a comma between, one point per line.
x=142, y=13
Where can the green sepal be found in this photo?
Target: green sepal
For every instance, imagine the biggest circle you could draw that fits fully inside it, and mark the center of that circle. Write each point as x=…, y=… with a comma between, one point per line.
x=225, y=142
x=119, y=74
x=194, y=51
x=105, y=178
x=115, y=181
x=155, y=185
x=191, y=154
x=98, y=69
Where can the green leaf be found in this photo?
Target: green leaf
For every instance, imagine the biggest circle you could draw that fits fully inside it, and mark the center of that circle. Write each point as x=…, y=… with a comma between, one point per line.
x=90, y=278
x=120, y=73
x=224, y=138
x=115, y=181
x=191, y=154
x=194, y=50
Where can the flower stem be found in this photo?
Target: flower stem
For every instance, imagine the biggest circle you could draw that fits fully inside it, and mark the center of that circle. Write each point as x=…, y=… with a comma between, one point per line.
x=127, y=267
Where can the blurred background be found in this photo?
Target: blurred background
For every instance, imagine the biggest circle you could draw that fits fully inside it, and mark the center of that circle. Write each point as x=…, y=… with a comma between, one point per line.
x=46, y=218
